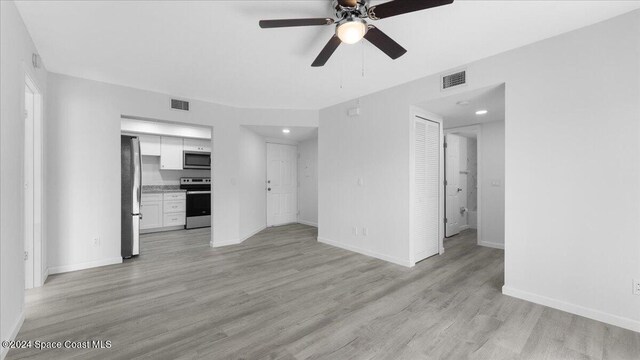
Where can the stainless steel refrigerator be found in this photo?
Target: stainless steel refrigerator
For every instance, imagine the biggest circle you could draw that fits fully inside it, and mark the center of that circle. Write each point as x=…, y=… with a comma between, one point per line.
x=131, y=176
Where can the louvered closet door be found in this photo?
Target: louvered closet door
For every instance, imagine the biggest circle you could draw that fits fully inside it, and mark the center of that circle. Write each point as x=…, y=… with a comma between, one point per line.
x=427, y=189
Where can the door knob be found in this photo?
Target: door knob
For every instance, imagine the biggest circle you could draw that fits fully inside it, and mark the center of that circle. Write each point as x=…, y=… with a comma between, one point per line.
x=268, y=189
x=459, y=189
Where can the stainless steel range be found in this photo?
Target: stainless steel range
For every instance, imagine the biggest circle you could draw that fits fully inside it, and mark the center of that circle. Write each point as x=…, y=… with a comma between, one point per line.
x=198, y=201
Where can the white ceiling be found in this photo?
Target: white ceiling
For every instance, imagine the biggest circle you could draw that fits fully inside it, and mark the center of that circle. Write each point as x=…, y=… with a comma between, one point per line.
x=296, y=134
x=215, y=51
x=455, y=115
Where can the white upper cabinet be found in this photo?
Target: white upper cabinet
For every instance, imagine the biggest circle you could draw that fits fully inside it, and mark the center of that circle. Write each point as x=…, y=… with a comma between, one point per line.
x=197, y=145
x=170, y=153
x=149, y=145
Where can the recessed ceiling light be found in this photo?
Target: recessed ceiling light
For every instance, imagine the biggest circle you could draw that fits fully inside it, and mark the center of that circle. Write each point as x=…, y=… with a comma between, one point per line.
x=286, y=131
x=481, y=112
x=463, y=103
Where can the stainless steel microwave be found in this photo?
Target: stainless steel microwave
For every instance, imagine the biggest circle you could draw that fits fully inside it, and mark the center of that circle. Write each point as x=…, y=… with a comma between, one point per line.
x=196, y=160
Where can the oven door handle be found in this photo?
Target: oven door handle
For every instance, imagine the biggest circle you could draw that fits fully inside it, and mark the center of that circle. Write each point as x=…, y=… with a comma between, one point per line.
x=198, y=192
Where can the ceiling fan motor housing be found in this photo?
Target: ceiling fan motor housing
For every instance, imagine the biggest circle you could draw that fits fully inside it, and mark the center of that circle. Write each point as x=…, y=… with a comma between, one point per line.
x=358, y=10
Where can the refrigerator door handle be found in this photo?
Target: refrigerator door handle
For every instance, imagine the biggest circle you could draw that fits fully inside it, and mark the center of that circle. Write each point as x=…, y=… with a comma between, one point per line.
x=137, y=174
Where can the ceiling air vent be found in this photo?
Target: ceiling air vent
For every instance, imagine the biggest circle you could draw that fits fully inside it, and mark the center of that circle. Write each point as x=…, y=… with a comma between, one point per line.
x=179, y=104
x=457, y=79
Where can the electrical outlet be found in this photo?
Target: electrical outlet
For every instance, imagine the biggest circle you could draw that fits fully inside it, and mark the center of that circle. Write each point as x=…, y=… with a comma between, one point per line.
x=636, y=287
x=365, y=231
x=96, y=241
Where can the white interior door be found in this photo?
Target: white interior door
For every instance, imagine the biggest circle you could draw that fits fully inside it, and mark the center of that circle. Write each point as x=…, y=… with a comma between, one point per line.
x=29, y=101
x=453, y=188
x=463, y=180
x=282, y=184
x=426, y=189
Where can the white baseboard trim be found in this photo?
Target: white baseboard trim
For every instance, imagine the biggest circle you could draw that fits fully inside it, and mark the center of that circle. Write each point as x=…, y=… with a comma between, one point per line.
x=85, y=265
x=14, y=332
x=45, y=276
x=217, y=244
x=359, y=250
x=491, y=244
x=253, y=233
x=305, y=222
x=593, y=314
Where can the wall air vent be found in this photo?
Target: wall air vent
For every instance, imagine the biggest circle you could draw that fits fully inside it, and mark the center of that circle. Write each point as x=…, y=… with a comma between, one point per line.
x=179, y=105
x=457, y=79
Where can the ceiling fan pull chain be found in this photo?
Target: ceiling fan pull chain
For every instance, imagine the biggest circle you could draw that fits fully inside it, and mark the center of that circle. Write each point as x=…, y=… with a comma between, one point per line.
x=362, y=58
x=341, y=73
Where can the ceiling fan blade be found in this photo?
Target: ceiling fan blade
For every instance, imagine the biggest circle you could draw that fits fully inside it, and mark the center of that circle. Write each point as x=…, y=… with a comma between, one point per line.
x=399, y=7
x=268, y=24
x=384, y=42
x=327, y=51
x=348, y=3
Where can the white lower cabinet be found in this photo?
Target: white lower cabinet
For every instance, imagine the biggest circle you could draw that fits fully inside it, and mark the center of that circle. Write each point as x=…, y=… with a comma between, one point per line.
x=152, y=211
x=175, y=208
x=162, y=211
x=177, y=219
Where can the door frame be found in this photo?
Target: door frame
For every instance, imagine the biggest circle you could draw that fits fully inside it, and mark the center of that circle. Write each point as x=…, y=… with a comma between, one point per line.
x=36, y=162
x=474, y=129
x=425, y=115
x=266, y=178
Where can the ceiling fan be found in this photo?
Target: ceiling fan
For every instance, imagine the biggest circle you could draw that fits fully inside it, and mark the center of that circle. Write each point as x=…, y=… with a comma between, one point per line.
x=352, y=26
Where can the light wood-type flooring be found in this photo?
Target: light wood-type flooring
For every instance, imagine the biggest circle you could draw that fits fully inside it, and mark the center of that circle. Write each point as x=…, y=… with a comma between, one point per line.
x=283, y=295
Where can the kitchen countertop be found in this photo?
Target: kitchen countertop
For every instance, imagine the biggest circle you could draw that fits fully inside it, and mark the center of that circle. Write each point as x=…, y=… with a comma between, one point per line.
x=149, y=189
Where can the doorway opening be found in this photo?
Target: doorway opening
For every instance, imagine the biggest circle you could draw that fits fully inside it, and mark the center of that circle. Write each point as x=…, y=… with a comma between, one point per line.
x=474, y=162
x=166, y=187
x=278, y=177
x=32, y=176
x=461, y=179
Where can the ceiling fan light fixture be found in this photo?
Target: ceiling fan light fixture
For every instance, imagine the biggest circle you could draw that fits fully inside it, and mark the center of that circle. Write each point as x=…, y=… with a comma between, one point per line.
x=351, y=31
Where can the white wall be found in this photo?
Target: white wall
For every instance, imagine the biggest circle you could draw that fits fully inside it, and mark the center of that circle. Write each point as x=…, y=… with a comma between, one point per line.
x=16, y=48
x=493, y=183
x=572, y=138
x=308, y=179
x=373, y=147
x=83, y=163
x=153, y=175
x=252, y=172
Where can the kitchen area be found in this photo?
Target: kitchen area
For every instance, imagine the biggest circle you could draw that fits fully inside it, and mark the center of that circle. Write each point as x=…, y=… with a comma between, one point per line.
x=166, y=180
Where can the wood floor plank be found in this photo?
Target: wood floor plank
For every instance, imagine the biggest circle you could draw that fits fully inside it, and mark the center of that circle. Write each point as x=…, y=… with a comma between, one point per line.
x=283, y=295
